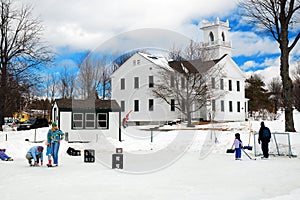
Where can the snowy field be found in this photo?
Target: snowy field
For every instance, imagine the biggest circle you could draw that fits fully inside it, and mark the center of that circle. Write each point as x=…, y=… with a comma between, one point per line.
x=179, y=164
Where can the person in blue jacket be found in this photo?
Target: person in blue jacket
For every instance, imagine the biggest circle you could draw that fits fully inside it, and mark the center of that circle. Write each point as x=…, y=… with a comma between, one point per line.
x=4, y=157
x=35, y=153
x=54, y=138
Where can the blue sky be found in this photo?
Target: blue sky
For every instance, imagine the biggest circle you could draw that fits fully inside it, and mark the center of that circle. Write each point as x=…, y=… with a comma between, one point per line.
x=73, y=27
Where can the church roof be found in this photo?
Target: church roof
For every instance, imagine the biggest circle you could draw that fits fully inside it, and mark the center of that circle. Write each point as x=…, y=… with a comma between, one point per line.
x=194, y=66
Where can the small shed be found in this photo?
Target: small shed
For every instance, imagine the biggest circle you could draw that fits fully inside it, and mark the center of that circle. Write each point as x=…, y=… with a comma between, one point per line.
x=84, y=119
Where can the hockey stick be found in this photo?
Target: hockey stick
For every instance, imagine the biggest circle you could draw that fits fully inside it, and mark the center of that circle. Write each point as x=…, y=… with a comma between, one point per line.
x=248, y=155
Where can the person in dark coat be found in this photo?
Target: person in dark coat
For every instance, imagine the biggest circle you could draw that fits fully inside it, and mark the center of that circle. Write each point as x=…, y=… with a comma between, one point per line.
x=264, y=138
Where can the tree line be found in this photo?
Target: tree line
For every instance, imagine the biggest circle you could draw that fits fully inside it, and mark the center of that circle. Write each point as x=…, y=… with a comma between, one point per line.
x=268, y=97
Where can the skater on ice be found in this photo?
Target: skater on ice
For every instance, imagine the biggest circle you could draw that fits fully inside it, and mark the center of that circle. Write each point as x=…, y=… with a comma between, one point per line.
x=238, y=145
x=35, y=153
x=54, y=138
x=264, y=136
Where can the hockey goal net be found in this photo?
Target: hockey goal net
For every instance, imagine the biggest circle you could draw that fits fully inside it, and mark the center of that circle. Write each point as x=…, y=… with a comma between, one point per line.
x=280, y=145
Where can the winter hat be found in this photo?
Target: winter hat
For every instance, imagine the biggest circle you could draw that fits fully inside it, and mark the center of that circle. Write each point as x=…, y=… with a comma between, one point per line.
x=40, y=148
x=54, y=124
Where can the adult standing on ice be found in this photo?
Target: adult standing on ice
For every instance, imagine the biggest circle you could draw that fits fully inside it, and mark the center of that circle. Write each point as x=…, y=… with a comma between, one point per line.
x=54, y=138
x=264, y=136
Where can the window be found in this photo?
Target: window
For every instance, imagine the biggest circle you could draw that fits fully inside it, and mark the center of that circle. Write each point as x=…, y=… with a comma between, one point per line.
x=213, y=105
x=151, y=104
x=222, y=84
x=102, y=120
x=122, y=83
x=172, y=104
x=222, y=106
x=223, y=37
x=89, y=120
x=151, y=82
x=78, y=120
x=238, y=86
x=136, y=105
x=122, y=106
x=230, y=106
x=134, y=62
x=138, y=62
x=136, y=82
x=182, y=83
x=213, y=83
x=229, y=85
x=239, y=106
x=211, y=37
x=172, y=81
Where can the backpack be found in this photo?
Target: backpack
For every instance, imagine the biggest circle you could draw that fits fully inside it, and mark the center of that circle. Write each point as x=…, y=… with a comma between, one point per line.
x=266, y=133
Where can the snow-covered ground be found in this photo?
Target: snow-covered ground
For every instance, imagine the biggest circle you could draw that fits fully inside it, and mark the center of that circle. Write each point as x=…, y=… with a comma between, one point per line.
x=178, y=164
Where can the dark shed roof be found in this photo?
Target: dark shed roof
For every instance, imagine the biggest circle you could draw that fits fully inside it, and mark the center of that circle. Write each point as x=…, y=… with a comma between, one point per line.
x=97, y=104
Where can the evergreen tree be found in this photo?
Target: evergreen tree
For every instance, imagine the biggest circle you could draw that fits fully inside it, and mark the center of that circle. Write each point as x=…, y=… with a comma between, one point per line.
x=257, y=95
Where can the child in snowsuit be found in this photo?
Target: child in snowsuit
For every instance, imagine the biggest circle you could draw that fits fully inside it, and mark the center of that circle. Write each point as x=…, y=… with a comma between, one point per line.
x=49, y=154
x=238, y=145
x=3, y=156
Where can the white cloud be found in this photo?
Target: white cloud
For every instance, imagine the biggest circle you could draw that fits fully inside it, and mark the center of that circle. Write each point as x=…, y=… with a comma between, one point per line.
x=249, y=43
x=271, y=70
x=249, y=65
x=86, y=24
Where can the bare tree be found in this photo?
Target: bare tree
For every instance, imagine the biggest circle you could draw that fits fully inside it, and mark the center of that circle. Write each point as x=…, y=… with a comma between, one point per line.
x=277, y=18
x=91, y=74
x=21, y=46
x=187, y=85
x=275, y=88
x=296, y=74
x=67, y=83
x=52, y=82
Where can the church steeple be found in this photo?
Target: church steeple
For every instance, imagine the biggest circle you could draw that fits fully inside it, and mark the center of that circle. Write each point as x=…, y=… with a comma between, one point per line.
x=216, y=41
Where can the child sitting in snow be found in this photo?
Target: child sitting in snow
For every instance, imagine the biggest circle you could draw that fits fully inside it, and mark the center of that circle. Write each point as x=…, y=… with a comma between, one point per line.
x=3, y=156
x=238, y=145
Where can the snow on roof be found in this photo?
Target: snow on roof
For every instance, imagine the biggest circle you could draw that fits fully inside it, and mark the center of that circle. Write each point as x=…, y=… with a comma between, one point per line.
x=157, y=60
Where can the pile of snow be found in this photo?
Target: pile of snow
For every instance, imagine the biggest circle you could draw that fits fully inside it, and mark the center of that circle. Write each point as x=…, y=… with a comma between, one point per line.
x=177, y=164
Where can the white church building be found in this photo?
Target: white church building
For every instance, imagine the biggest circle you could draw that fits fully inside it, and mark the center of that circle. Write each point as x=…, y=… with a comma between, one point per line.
x=133, y=81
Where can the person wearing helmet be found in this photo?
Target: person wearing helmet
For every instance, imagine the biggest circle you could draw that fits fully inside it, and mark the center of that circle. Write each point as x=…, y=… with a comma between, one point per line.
x=35, y=153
